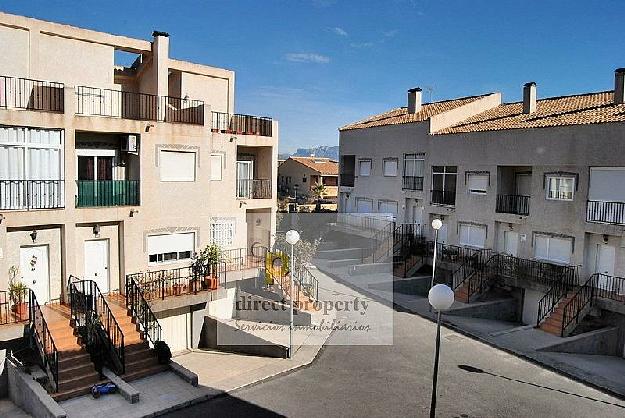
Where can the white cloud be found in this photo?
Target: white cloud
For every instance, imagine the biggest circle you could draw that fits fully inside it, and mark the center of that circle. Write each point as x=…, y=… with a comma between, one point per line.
x=307, y=57
x=362, y=44
x=339, y=31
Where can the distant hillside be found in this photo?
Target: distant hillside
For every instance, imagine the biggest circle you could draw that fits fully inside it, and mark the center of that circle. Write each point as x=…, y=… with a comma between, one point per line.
x=320, y=151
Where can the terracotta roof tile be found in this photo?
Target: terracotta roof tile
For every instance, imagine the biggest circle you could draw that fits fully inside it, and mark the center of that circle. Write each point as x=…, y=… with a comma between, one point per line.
x=323, y=166
x=580, y=109
x=400, y=115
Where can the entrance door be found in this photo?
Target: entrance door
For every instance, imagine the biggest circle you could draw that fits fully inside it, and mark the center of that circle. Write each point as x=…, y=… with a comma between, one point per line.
x=245, y=174
x=416, y=214
x=604, y=264
x=524, y=184
x=442, y=234
x=35, y=271
x=511, y=243
x=97, y=263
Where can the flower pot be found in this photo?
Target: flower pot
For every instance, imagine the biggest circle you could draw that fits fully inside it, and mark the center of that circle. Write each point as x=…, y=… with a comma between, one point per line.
x=213, y=283
x=177, y=288
x=20, y=310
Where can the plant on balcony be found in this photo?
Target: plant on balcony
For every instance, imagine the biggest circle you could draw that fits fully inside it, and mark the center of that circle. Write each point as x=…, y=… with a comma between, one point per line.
x=204, y=265
x=17, y=293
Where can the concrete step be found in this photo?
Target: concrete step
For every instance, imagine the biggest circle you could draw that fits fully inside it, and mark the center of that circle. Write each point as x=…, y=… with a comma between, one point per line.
x=340, y=254
x=371, y=268
x=158, y=368
x=344, y=262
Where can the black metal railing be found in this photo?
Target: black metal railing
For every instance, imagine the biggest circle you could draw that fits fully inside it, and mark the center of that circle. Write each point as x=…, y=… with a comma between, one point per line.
x=609, y=287
x=516, y=204
x=240, y=258
x=96, y=193
x=140, y=310
x=551, y=299
x=25, y=93
x=14, y=306
x=94, y=321
x=536, y=271
x=412, y=183
x=32, y=194
x=306, y=281
x=93, y=101
x=444, y=197
x=254, y=188
x=241, y=124
x=578, y=304
x=606, y=212
x=346, y=179
x=42, y=341
x=482, y=277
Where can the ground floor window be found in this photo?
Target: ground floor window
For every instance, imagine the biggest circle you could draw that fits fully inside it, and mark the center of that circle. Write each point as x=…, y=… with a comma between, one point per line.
x=472, y=235
x=555, y=249
x=164, y=248
x=222, y=232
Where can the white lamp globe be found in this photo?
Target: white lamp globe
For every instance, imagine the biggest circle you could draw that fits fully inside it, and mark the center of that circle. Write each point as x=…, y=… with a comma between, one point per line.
x=441, y=297
x=437, y=224
x=292, y=237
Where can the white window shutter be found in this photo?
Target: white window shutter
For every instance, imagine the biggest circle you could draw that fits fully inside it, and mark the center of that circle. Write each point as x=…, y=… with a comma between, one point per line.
x=216, y=162
x=177, y=165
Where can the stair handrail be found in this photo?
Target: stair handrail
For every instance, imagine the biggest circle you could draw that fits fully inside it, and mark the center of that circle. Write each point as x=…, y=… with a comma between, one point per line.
x=550, y=300
x=42, y=338
x=141, y=311
x=582, y=297
x=98, y=316
x=384, y=235
x=307, y=282
x=476, y=281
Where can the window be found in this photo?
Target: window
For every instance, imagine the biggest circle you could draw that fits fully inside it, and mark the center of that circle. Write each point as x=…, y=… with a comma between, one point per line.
x=560, y=188
x=444, y=185
x=472, y=235
x=171, y=247
x=390, y=167
x=553, y=249
x=413, y=165
x=30, y=154
x=216, y=162
x=364, y=205
x=387, y=207
x=477, y=183
x=177, y=165
x=364, y=168
x=303, y=179
x=222, y=232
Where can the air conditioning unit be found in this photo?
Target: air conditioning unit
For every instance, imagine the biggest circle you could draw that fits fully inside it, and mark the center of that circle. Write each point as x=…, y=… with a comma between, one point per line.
x=131, y=144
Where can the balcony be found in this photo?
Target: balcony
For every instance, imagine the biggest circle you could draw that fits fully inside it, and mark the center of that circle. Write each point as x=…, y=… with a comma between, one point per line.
x=24, y=93
x=606, y=212
x=412, y=183
x=241, y=124
x=92, y=101
x=444, y=197
x=347, y=180
x=515, y=204
x=102, y=193
x=253, y=189
x=31, y=194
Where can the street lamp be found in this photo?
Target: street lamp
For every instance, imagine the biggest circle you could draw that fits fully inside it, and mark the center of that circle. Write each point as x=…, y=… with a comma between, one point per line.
x=441, y=298
x=436, y=224
x=292, y=237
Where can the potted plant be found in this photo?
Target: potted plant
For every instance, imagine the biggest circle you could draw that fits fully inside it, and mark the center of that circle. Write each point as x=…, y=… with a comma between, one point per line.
x=17, y=294
x=204, y=264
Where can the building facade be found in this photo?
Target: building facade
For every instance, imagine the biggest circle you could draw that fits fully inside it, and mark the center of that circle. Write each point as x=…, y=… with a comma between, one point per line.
x=107, y=170
x=304, y=173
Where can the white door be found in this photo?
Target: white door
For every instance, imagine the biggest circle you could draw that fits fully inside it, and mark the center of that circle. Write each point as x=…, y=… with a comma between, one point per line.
x=416, y=214
x=604, y=264
x=442, y=234
x=35, y=271
x=511, y=243
x=175, y=329
x=524, y=184
x=245, y=174
x=97, y=263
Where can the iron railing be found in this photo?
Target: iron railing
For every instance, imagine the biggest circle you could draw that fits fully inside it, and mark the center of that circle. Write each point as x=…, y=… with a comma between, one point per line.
x=98, y=193
x=32, y=194
x=574, y=308
x=42, y=341
x=93, y=101
x=14, y=306
x=609, y=287
x=516, y=204
x=240, y=258
x=606, y=212
x=25, y=93
x=536, y=271
x=551, y=299
x=254, y=188
x=307, y=282
x=346, y=179
x=444, y=197
x=241, y=124
x=141, y=312
x=412, y=183
x=94, y=321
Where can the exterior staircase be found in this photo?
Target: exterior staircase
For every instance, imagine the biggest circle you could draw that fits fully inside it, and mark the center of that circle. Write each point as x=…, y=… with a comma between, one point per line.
x=553, y=323
x=140, y=359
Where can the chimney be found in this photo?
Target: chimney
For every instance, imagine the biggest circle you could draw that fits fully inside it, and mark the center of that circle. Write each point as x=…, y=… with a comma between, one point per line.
x=414, y=100
x=619, y=86
x=160, y=50
x=529, y=98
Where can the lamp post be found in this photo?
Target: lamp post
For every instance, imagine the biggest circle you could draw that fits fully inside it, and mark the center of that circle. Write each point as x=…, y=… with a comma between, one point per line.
x=441, y=297
x=292, y=237
x=436, y=224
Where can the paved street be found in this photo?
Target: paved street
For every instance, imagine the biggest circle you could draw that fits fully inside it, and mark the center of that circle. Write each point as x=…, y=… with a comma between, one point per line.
x=395, y=381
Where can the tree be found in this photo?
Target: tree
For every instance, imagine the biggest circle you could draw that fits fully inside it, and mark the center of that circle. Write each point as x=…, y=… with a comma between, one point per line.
x=319, y=190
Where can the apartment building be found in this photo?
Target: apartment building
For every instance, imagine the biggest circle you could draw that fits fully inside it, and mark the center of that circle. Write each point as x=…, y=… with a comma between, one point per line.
x=108, y=170
x=538, y=180
x=304, y=173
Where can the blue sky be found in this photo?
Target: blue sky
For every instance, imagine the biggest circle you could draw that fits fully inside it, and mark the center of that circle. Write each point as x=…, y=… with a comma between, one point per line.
x=318, y=64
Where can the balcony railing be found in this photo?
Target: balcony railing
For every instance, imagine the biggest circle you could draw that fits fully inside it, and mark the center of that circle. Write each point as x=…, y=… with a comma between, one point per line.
x=444, y=197
x=516, y=204
x=96, y=193
x=24, y=93
x=536, y=271
x=32, y=194
x=606, y=212
x=609, y=287
x=241, y=124
x=347, y=180
x=253, y=188
x=93, y=101
x=413, y=183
